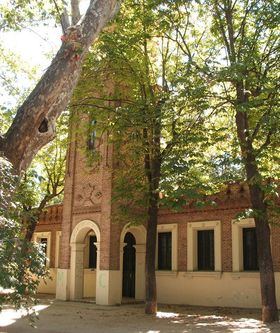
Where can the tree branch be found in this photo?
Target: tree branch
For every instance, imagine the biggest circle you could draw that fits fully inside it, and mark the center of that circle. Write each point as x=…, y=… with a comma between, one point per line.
x=64, y=19
x=266, y=143
x=34, y=124
x=75, y=11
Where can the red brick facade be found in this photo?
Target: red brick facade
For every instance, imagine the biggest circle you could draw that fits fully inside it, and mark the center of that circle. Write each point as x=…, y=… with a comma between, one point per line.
x=50, y=221
x=88, y=198
x=230, y=203
x=88, y=202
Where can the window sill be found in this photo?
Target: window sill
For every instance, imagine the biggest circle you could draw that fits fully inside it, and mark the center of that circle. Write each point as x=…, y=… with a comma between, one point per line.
x=89, y=270
x=167, y=273
x=194, y=274
x=238, y=275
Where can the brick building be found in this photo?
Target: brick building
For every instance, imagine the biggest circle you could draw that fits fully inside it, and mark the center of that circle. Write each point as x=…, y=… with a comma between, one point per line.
x=204, y=257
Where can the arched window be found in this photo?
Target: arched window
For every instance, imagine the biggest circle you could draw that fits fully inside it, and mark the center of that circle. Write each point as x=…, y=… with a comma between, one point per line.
x=92, y=252
x=92, y=135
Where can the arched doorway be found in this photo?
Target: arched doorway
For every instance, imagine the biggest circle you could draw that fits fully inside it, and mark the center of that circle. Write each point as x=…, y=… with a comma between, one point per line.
x=129, y=257
x=84, y=238
x=90, y=265
x=132, y=261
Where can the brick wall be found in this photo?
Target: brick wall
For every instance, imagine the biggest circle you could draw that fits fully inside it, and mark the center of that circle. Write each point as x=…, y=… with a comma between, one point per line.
x=50, y=221
x=88, y=196
x=275, y=246
x=225, y=211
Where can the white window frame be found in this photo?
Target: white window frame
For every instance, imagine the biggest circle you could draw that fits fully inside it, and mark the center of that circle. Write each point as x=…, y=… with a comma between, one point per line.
x=37, y=238
x=86, y=251
x=193, y=228
x=237, y=243
x=173, y=228
x=57, y=247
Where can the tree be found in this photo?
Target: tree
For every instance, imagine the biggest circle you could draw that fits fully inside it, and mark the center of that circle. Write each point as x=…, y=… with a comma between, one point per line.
x=22, y=201
x=43, y=183
x=157, y=133
x=242, y=71
x=248, y=33
x=34, y=123
x=22, y=262
x=33, y=126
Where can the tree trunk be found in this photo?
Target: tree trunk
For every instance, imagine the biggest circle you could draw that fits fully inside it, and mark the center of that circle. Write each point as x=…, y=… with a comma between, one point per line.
x=75, y=11
x=255, y=183
x=151, y=289
x=225, y=14
x=34, y=123
x=31, y=226
x=153, y=172
x=267, y=280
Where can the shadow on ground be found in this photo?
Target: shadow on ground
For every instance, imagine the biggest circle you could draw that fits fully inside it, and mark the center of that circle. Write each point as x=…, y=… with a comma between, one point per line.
x=74, y=317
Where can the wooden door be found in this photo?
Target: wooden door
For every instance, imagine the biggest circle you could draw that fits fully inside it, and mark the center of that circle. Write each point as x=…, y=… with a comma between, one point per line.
x=129, y=257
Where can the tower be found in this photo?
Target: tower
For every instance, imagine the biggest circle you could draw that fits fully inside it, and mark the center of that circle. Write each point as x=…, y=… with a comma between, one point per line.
x=87, y=210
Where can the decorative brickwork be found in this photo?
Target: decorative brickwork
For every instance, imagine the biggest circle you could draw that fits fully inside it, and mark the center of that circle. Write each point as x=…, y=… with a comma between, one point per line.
x=229, y=203
x=88, y=197
x=51, y=215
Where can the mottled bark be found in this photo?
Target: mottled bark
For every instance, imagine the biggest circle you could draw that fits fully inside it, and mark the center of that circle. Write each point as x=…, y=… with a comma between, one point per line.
x=255, y=183
x=153, y=161
x=65, y=23
x=34, y=124
x=75, y=11
x=267, y=279
x=226, y=25
x=151, y=288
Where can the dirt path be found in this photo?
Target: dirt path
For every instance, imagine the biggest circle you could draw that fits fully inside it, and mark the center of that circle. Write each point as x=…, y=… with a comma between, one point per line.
x=74, y=317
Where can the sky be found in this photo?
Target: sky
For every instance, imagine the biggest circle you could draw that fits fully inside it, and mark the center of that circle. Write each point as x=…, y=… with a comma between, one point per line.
x=35, y=46
x=34, y=49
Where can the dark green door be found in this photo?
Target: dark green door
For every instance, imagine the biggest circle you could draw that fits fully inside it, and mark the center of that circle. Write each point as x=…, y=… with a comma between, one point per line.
x=128, y=289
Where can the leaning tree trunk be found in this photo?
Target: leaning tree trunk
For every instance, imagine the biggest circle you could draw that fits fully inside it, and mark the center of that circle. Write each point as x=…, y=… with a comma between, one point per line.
x=153, y=172
x=30, y=228
x=267, y=280
x=254, y=180
x=150, y=277
x=34, y=123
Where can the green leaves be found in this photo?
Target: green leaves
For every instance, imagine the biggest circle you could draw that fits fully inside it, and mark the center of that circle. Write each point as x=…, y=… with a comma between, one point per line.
x=15, y=14
x=173, y=67
x=22, y=263
x=21, y=201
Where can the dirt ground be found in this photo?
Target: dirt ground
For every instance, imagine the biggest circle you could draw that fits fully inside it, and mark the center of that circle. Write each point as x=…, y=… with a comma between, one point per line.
x=77, y=317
